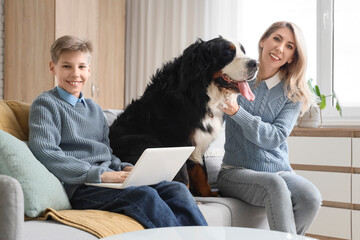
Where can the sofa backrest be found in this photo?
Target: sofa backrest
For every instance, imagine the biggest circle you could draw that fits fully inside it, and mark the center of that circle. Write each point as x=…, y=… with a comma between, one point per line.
x=14, y=116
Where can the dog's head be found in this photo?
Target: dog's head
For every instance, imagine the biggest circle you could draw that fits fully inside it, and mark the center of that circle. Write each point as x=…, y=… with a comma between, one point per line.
x=223, y=62
x=217, y=61
x=234, y=68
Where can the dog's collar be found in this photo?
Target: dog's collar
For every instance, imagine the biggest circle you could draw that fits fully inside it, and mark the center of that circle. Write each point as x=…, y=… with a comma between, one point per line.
x=272, y=81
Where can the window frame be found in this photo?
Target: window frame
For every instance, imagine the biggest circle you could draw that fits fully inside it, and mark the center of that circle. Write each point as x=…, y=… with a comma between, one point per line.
x=325, y=67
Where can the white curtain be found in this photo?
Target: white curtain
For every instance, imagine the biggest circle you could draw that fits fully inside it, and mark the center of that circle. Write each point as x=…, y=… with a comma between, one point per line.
x=159, y=30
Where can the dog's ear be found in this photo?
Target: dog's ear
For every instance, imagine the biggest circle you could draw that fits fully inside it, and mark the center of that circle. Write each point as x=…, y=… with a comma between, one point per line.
x=207, y=57
x=195, y=68
x=195, y=57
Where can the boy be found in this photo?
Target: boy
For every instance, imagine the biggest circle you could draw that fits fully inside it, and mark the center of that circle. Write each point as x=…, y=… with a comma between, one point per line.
x=69, y=135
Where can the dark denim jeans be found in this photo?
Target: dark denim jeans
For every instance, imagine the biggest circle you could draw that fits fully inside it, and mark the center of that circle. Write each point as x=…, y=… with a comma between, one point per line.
x=165, y=204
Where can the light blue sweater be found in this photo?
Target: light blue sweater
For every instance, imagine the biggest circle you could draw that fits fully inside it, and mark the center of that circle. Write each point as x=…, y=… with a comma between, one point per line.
x=256, y=135
x=70, y=138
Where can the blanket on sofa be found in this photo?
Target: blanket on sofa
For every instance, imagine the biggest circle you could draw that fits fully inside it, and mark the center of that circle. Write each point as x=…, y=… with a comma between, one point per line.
x=99, y=223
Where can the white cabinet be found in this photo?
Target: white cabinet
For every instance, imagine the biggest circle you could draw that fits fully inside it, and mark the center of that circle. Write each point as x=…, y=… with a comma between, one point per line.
x=334, y=187
x=332, y=222
x=323, y=151
x=355, y=224
x=356, y=189
x=356, y=152
x=333, y=165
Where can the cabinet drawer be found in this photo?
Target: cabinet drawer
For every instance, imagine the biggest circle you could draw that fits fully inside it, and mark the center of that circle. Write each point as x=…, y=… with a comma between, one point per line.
x=355, y=224
x=325, y=151
x=334, y=187
x=356, y=189
x=332, y=222
x=356, y=152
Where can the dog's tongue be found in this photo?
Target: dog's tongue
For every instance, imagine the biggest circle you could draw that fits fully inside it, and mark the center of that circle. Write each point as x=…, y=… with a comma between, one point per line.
x=245, y=90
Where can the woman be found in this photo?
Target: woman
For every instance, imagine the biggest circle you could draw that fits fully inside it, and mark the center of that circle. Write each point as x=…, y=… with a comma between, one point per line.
x=256, y=166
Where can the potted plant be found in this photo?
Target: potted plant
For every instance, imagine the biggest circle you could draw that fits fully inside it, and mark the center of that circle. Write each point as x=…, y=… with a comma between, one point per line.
x=313, y=116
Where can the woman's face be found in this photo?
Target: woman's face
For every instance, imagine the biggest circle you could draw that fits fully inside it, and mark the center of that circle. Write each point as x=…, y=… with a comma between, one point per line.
x=277, y=49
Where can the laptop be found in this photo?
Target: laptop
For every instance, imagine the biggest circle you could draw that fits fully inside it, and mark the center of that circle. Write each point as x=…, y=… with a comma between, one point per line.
x=154, y=165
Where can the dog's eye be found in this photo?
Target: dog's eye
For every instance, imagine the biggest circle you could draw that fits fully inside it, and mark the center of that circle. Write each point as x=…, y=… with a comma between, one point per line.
x=230, y=52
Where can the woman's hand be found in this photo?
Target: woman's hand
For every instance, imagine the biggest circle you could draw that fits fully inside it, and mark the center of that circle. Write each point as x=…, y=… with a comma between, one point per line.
x=232, y=107
x=116, y=177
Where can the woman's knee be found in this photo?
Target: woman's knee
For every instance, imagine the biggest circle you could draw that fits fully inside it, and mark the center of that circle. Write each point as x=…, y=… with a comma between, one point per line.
x=305, y=194
x=311, y=200
x=276, y=185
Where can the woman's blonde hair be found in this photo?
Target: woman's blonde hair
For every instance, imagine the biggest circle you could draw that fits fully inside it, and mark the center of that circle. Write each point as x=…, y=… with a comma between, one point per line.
x=293, y=73
x=70, y=43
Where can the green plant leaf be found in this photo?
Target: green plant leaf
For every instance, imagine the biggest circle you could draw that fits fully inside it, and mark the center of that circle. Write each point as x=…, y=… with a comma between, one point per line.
x=322, y=103
x=310, y=84
x=317, y=92
x=322, y=98
x=338, y=106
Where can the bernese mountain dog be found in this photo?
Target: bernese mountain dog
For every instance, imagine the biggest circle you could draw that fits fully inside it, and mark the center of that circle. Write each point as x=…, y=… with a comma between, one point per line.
x=182, y=106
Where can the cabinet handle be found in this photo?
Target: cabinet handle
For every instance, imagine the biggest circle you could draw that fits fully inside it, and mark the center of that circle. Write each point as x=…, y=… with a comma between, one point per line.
x=92, y=90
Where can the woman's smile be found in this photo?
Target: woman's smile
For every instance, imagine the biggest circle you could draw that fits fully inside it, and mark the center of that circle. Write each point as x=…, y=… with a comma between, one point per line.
x=275, y=57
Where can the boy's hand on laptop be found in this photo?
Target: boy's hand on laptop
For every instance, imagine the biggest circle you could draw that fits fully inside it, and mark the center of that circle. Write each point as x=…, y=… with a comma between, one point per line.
x=127, y=168
x=114, y=177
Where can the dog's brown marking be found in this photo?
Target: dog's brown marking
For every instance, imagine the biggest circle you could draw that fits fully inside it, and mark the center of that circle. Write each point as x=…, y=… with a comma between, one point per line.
x=217, y=74
x=232, y=46
x=198, y=181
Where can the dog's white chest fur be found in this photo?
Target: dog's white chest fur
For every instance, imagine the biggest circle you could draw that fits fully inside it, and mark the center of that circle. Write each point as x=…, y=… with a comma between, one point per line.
x=202, y=139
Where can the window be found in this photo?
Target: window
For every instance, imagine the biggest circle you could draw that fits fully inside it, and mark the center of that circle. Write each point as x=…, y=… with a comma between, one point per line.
x=338, y=36
x=347, y=51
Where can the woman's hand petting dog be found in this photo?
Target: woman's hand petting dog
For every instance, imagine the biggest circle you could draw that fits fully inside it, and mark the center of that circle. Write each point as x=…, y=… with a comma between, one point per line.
x=116, y=177
x=231, y=107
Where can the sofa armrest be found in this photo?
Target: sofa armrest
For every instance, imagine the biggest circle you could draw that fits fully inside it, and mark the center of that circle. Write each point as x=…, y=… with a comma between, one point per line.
x=11, y=209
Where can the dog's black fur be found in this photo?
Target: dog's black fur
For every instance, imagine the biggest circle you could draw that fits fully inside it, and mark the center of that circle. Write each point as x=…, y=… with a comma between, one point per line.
x=174, y=103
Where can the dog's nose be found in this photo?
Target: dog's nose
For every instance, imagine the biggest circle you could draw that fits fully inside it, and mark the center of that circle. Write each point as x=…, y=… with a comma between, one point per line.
x=252, y=64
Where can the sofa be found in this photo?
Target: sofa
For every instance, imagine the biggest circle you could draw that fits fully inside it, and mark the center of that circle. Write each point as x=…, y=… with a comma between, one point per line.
x=34, y=205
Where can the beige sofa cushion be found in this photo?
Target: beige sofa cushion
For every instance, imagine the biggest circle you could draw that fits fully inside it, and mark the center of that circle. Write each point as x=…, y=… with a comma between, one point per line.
x=14, y=116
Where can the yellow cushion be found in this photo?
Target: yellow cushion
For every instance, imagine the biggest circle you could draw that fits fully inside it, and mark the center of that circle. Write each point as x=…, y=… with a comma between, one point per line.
x=14, y=116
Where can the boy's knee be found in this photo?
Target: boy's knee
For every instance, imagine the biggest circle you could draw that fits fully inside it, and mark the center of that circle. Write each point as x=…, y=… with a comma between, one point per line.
x=144, y=192
x=174, y=185
x=177, y=188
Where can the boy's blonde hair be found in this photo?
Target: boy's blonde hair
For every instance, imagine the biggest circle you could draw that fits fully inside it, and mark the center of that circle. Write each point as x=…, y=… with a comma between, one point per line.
x=70, y=43
x=293, y=73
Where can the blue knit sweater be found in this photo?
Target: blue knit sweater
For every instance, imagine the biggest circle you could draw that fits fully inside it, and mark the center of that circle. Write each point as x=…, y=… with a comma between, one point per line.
x=256, y=135
x=71, y=141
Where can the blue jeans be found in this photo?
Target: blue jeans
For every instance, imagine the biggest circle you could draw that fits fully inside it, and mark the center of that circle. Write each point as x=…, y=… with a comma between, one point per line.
x=165, y=204
x=291, y=201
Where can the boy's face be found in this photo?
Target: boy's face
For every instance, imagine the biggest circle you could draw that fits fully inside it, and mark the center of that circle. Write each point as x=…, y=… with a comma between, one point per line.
x=71, y=71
